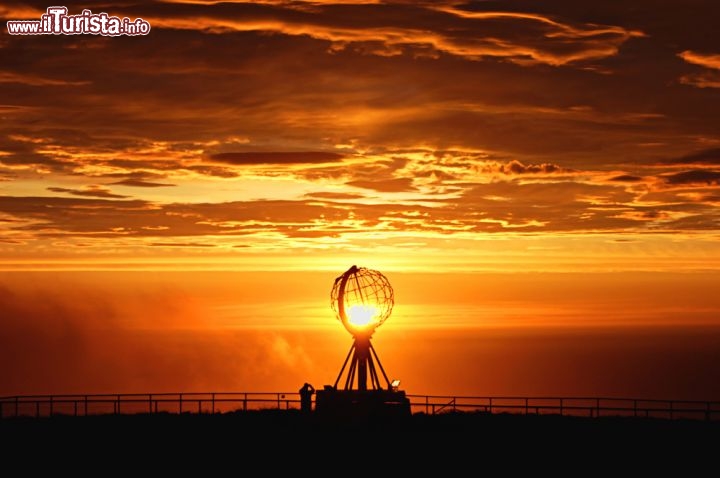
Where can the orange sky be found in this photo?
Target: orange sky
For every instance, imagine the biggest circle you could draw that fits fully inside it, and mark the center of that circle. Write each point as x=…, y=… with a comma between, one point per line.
x=535, y=164
x=644, y=335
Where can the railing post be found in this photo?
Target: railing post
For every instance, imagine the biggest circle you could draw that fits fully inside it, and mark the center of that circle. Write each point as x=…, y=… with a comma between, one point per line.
x=212, y=402
x=526, y=405
x=37, y=408
x=635, y=408
x=75, y=407
x=245, y=402
x=561, y=407
x=16, y=406
x=51, y=405
x=86, y=405
x=597, y=408
x=671, y=409
x=490, y=404
x=180, y=403
x=150, y=403
x=427, y=403
x=707, y=411
x=118, y=404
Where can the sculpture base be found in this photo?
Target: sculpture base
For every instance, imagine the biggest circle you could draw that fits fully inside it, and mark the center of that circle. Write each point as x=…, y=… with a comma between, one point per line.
x=351, y=404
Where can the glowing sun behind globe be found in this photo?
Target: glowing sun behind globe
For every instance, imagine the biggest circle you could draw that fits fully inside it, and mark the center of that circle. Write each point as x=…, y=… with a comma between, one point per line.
x=362, y=300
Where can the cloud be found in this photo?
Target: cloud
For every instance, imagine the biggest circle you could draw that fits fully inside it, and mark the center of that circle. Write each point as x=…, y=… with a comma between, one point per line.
x=704, y=157
x=68, y=217
x=89, y=191
x=702, y=80
x=395, y=185
x=415, y=30
x=491, y=118
x=516, y=167
x=139, y=183
x=707, y=60
x=10, y=77
x=24, y=151
x=218, y=172
x=333, y=195
x=701, y=196
x=627, y=178
x=253, y=158
x=551, y=203
x=165, y=120
x=696, y=176
x=181, y=244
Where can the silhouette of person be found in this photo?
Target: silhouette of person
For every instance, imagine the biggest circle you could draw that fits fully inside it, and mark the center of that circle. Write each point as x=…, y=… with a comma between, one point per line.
x=306, y=393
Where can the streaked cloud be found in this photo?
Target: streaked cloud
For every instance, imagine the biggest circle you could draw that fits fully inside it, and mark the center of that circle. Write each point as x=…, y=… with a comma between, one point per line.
x=250, y=158
x=10, y=77
x=695, y=176
x=710, y=78
x=89, y=191
x=703, y=157
x=626, y=178
x=409, y=29
x=703, y=59
x=265, y=127
x=334, y=195
x=139, y=183
x=385, y=185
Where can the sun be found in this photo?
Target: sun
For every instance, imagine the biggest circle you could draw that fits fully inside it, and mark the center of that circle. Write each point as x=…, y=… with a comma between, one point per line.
x=362, y=300
x=361, y=316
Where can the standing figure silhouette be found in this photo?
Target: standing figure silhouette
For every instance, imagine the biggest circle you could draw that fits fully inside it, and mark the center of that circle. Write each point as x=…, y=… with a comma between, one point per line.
x=306, y=393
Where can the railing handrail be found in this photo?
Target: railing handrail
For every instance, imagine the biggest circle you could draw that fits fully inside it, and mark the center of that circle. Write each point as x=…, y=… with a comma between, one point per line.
x=556, y=397
x=136, y=394
x=448, y=397
x=593, y=406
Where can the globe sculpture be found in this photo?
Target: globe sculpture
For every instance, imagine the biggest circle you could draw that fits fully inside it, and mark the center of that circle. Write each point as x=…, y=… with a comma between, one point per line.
x=362, y=300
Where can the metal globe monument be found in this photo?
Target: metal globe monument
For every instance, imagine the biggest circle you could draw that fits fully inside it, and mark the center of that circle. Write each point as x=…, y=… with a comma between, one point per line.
x=362, y=300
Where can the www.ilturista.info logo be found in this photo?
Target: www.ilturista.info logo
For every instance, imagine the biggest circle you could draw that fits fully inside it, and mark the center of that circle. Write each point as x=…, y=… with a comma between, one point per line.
x=57, y=22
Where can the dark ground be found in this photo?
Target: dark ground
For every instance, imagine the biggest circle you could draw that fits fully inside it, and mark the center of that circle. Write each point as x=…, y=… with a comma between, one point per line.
x=446, y=444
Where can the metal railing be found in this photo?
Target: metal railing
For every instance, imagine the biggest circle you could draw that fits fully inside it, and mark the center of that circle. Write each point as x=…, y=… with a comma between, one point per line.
x=222, y=402
x=127, y=403
x=570, y=406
